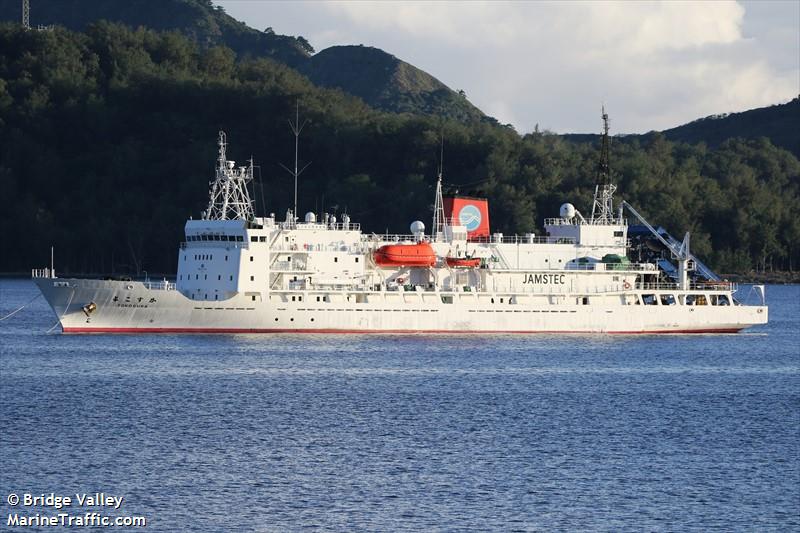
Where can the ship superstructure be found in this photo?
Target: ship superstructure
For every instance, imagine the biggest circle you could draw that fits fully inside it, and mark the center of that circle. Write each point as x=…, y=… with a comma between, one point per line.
x=240, y=273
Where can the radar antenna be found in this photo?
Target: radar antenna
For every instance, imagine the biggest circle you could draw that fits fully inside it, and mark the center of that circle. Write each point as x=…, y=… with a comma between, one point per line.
x=603, y=206
x=296, y=129
x=229, y=198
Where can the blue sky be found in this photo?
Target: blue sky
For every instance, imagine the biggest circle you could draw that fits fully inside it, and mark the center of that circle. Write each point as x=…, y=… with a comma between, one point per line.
x=654, y=65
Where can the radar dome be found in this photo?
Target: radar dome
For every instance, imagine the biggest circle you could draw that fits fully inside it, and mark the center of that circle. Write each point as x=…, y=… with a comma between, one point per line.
x=417, y=227
x=567, y=211
x=311, y=217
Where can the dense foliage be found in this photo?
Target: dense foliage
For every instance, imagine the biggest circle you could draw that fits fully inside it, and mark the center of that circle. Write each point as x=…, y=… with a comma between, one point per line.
x=108, y=143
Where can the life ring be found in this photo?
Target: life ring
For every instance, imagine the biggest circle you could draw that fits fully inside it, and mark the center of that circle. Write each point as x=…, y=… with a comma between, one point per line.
x=626, y=285
x=400, y=281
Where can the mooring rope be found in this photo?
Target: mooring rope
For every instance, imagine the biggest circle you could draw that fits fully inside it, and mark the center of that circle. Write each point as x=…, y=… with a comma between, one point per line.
x=15, y=311
x=62, y=314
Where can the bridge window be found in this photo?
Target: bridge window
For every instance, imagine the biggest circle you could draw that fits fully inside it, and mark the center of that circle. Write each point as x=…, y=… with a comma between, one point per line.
x=649, y=299
x=668, y=299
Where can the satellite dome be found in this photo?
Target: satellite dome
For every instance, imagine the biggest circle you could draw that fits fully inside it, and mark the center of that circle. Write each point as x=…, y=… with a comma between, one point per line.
x=311, y=217
x=417, y=227
x=567, y=211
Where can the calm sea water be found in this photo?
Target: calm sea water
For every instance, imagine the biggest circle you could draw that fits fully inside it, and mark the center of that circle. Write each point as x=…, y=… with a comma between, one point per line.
x=407, y=433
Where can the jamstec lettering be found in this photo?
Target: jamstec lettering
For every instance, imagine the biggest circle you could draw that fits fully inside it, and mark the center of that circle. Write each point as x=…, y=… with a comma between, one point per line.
x=544, y=279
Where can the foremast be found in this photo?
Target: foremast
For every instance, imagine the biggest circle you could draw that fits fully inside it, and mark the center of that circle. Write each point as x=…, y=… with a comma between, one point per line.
x=229, y=198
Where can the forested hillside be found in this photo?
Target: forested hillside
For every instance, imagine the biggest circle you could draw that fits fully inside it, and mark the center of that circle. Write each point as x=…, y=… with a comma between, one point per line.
x=108, y=144
x=380, y=79
x=779, y=123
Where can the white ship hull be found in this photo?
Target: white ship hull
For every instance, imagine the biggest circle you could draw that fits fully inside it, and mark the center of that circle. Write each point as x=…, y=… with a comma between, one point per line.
x=139, y=309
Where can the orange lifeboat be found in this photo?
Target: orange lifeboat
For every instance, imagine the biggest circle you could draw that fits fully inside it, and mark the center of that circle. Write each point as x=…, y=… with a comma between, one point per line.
x=463, y=262
x=415, y=255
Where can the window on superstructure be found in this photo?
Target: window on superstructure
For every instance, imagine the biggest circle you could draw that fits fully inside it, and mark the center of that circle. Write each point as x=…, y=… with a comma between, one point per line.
x=618, y=234
x=335, y=259
x=197, y=276
x=231, y=278
x=251, y=258
x=226, y=258
x=356, y=259
x=219, y=277
x=262, y=239
x=668, y=299
x=649, y=299
x=205, y=276
x=252, y=278
x=240, y=238
x=253, y=238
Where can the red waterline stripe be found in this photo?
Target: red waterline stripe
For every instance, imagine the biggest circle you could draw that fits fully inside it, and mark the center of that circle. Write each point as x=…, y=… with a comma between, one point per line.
x=385, y=331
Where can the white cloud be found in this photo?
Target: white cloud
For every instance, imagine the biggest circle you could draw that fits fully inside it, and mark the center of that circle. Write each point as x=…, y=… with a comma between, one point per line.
x=655, y=65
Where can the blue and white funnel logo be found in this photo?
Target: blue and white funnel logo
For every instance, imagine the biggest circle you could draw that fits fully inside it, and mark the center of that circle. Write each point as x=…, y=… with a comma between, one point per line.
x=470, y=217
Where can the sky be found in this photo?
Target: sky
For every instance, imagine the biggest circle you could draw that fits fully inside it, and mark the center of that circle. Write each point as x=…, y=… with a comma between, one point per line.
x=653, y=65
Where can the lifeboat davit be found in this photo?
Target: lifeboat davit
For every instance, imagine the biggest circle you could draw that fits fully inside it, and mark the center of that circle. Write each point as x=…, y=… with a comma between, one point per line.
x=463, y=262
x=415, y=255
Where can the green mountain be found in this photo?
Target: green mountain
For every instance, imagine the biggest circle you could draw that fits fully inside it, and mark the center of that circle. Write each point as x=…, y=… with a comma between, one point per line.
x=387, y=83
x=380, y=79
x=778, y=123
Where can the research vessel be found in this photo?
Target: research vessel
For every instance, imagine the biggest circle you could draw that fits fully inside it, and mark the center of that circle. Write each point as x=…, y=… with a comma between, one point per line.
x=242, y=273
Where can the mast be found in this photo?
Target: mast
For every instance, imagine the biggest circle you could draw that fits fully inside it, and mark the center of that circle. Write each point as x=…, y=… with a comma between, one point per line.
x=603, y=205
x=439, y=221
x=229, y=198
x=296, y=128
